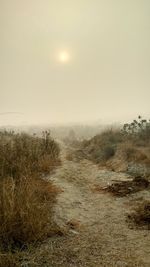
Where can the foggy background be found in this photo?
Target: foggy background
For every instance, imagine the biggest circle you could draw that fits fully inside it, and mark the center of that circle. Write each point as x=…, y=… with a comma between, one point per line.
x=107, y=76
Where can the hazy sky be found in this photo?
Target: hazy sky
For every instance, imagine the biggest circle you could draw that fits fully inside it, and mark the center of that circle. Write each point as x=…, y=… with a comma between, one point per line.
x=74, y=60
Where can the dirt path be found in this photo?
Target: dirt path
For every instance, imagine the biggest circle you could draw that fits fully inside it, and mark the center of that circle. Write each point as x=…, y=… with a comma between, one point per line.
x=98, y=234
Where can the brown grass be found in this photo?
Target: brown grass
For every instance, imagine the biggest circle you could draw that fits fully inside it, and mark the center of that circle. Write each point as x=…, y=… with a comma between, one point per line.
x=26, y=199
x=23, y=155
x=134, y=153
x=26, y=211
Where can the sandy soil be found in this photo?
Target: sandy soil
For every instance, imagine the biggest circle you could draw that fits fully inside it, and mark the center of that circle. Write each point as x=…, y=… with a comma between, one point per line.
x=97, y=231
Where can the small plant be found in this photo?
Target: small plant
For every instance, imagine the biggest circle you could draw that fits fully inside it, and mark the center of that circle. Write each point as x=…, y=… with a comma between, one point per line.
x=139, y=127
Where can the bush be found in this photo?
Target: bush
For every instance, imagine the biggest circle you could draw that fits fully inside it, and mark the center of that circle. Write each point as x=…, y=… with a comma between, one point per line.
x=104, y=153
x=108, y=152
x=138, y=129
x=103, y=146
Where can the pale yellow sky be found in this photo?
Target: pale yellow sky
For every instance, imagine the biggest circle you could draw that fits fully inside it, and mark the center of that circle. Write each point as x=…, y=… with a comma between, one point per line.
x=74, y=60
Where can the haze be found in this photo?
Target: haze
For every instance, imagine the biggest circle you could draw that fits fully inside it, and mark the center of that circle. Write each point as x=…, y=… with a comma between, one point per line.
x=68, y=61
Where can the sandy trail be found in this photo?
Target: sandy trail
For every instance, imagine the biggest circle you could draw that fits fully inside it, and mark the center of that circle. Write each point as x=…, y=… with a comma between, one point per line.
x=103, y=237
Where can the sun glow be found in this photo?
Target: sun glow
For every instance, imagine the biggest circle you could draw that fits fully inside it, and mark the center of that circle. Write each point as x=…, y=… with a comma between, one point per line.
x=63, y=57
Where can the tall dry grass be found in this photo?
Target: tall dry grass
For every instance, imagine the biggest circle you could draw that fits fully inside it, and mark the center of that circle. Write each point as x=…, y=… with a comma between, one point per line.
x=26, y=211
x=24, y=155
x=26, y=199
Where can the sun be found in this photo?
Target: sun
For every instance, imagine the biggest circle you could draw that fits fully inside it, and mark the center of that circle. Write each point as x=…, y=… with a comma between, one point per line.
x=63, y=57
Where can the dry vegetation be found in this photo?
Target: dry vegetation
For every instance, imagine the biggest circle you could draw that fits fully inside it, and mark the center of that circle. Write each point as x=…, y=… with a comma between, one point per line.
x=124, y=150
x=23, y=155
x=26, y=198
x=127, y=149
x=124, y=188
x=102, y=147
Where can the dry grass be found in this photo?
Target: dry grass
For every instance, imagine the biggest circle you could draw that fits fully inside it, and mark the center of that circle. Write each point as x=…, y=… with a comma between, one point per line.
x=118, y=151
x=26, y=211
x=21, y=154
x=133, y=153
x=26, y=199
